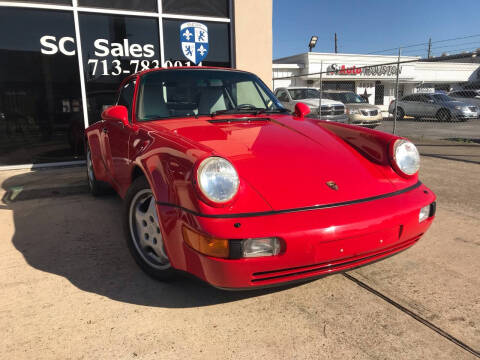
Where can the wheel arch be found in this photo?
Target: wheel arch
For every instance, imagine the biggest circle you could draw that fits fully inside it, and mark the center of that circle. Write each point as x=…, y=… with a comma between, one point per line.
x=154, y=178
x=447, y=111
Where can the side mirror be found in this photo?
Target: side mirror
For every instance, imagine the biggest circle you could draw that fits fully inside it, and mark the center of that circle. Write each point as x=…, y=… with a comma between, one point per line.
x=117, y=113
x=301, y=110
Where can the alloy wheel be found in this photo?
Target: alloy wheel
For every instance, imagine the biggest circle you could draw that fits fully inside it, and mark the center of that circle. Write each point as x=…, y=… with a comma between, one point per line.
x=145, y=230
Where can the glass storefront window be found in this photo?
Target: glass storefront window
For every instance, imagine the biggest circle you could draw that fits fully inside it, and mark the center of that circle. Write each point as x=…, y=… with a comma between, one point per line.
x=113, y=47
x=218, y=8
x=218, y=44
x=53, y=2
x=41, y=119
x=138, y=5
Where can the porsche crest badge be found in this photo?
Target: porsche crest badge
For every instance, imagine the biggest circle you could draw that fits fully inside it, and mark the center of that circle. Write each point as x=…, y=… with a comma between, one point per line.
x=332, y=185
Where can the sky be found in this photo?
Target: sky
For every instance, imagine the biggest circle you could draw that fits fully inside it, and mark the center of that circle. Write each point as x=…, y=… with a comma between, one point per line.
x=368, y=26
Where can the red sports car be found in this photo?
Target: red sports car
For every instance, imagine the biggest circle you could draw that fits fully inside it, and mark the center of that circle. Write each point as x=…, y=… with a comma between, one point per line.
x=222, y=182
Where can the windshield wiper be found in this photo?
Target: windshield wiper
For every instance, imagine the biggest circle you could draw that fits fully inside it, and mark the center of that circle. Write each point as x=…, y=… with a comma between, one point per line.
x=249, y=110
x=274, y=111
x=162, y=117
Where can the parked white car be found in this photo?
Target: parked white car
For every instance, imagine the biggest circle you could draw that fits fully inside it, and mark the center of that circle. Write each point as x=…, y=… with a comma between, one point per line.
x=471, y=97
x=331, y=110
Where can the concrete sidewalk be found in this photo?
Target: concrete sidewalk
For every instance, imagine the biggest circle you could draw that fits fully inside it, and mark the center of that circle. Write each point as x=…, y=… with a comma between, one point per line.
x=18, y=185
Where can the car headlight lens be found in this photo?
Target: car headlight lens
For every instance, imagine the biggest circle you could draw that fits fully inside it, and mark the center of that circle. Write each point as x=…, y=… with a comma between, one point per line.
x=353, y=112
x=261, y=247
x=217, y=179
x=458, y=107
x=406, y=157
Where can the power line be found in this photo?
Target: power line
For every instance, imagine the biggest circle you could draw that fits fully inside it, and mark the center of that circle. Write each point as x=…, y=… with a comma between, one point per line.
x=456, y=51
x=467, y=43
x=424, y=43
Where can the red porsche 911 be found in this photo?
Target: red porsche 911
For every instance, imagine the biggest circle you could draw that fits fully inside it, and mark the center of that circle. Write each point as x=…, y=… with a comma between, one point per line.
x=222, y=182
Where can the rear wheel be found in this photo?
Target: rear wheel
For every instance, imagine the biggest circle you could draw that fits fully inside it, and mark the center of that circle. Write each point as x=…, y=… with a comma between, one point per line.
x=143, y=231
x=96, y=187
x=443, y=115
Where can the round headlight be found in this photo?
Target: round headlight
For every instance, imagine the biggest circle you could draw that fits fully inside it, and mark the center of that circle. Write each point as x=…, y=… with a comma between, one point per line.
x=217, y=179
x=406, y=157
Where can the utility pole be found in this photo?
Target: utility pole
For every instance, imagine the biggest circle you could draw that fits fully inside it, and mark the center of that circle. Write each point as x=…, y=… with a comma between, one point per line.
x=429, y=48
x=336, y=48
x=396, y=93
x=321, y=91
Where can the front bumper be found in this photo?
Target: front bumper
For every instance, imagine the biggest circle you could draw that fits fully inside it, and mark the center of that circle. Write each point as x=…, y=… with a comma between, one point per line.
x=467, y=115
x=317, y=242
x=358, y=119
x=343, y=118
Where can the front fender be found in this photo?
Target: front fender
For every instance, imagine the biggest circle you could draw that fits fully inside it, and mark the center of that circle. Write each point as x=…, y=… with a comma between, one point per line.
x=373, y=145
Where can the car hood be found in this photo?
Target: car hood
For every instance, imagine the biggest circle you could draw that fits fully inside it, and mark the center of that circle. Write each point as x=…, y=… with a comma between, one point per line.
x=362, y=106
x=315, y=102
x=456, y=103
x=287, y=161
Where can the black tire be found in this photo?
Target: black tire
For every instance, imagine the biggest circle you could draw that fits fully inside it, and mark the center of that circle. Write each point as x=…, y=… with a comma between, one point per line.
x=443, y=115
x=97, y=188
x=148, y=260
x=400, y=113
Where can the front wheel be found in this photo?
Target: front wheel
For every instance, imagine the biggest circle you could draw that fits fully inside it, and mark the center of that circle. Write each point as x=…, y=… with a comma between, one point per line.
x=400, y=113
x=143, y=232
x=443, y=115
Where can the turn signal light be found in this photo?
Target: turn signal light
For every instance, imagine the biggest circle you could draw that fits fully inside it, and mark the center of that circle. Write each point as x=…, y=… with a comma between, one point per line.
x=205, y=244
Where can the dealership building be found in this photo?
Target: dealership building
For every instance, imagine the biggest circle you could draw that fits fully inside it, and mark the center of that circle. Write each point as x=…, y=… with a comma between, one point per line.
x=373, y=76
x=61, y=61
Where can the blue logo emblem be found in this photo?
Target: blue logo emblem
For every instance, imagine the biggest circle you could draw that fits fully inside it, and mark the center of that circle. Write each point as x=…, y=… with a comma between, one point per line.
x=194, y=41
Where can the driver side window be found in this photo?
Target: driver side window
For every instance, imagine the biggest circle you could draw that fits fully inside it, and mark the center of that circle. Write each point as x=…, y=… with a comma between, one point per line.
x=125, y=97
x=282, y=96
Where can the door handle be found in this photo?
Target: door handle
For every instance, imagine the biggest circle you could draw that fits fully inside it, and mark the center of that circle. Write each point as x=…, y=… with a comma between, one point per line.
x=105, y=130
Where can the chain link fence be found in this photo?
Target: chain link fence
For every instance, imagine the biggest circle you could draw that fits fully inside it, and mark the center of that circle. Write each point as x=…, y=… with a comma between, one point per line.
x=438, y=100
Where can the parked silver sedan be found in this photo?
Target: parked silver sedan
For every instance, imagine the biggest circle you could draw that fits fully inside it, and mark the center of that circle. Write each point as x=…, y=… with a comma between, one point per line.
x=435, y=105
x=359, y=111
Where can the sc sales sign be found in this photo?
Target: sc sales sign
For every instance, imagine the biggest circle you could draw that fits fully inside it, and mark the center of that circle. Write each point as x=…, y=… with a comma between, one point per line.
x=66, y=45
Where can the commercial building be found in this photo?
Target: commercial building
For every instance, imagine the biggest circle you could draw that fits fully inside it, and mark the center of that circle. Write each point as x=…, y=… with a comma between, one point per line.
x=372, y=76
x=62, y=60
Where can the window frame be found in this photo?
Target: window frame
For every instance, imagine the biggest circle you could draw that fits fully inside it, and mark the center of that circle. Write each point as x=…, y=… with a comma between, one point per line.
x=133, y=103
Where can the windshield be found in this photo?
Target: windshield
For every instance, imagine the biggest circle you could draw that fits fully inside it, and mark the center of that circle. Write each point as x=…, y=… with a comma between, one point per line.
x=299, y=94
x=441, y=98
x=347, y=98
x=193, y=92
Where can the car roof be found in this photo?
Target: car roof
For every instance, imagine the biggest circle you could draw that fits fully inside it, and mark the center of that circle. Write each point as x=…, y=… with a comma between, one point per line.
x=297, y=87
x=338, y=91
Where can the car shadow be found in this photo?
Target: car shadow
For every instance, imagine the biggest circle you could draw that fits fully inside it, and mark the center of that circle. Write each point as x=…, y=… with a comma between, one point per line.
x=66, y=232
